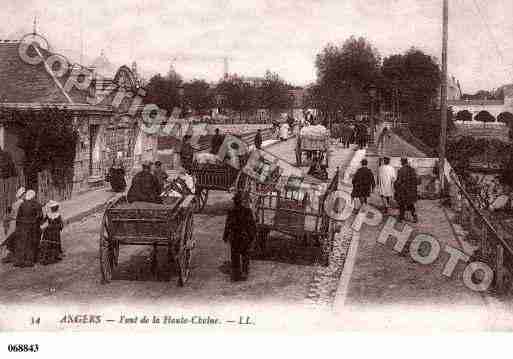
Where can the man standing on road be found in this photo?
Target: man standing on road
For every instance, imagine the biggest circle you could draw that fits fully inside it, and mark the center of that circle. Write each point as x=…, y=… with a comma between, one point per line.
x=258, y=139
x=383, y=139
x=145, y=187
x=187, y=153
x=240, y=232
x=363, y=183
x=386, y=178
x=217, y=141
x=406, y=190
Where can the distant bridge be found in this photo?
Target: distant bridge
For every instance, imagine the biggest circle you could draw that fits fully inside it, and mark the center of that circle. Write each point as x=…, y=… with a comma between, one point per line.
x=482, y=110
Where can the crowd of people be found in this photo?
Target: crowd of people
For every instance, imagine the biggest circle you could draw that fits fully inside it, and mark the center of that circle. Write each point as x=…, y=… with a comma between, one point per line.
x=352, y=133
x=400, y=185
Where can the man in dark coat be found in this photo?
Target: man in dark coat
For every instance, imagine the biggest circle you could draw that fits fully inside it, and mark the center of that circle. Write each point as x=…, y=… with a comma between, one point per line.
x=258, y=139
x=406, y=190
x=161, y=175
x=217, y=141
x=145, y=187
x=240, y=232
x=28, y=231
x=186, y=153
x=363, y=183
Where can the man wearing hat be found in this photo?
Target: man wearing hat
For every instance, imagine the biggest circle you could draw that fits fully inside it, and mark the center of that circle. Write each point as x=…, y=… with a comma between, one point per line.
x=10, y=226
x=161, y=175
x=240, y=232
x=406, y=190
x=145, y=186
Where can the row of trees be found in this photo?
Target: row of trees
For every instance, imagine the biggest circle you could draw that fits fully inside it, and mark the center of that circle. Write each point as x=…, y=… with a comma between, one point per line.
x=233, y=92
x=345, y=72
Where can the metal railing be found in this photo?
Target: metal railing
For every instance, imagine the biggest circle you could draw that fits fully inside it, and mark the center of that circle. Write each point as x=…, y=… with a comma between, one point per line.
x=494, y=245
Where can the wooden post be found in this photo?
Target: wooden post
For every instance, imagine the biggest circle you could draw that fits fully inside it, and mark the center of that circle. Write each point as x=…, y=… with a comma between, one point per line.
x=499, y=269
x=484, y=240
x=443, y=96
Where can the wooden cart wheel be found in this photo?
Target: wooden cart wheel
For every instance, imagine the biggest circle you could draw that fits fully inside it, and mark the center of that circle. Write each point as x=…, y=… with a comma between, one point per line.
x=202, y=198
x=185, y=254
x=106, y=253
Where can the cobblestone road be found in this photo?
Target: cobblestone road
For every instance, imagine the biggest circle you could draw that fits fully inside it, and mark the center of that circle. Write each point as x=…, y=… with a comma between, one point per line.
x=76, y=280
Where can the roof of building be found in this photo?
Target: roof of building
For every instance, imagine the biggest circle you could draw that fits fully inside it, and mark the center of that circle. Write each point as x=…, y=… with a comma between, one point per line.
x=26, y=83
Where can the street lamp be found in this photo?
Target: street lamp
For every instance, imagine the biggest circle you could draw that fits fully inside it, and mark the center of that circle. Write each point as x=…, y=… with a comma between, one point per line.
x=372, y=94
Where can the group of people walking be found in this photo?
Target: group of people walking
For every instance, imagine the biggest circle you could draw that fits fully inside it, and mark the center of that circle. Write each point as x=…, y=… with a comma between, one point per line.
x=349, y=133
x=400, y=185
x=33, y=233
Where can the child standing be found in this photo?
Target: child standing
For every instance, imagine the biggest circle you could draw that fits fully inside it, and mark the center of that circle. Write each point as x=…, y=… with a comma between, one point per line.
x=51, y=248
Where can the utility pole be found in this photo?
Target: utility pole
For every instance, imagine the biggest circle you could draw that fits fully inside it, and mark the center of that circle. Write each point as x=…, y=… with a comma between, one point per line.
x=443, y=98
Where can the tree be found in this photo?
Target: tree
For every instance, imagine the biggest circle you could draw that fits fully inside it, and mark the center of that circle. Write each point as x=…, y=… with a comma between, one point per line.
x=49, y=141
x=237, y=95
x=198, y=96
x=427, y=126
x=274, y=94
x=343, y=74
x=464, y=116
x=164, y=92
x=416, y=76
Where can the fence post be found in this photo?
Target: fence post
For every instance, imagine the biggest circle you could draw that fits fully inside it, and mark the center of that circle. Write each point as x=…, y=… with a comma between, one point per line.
x=484, y=240
x=499, y=269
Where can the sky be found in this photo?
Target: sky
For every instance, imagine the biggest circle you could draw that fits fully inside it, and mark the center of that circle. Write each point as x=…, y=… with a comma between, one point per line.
x=280, y=35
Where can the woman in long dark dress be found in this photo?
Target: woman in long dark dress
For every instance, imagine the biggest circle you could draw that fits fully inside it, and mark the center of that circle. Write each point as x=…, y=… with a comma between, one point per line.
x=50, y=248
x=117, y=176
x=28, y=222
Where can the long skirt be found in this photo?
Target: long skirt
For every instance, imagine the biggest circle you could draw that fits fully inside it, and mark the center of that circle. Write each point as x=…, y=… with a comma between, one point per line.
x=27, y=244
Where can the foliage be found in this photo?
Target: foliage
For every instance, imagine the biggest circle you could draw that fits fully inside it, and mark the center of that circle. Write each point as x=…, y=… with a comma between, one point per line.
x=164, y=92
x=427, y=126
x=343, y=74
x=198, y=96
x=417, y=78
x=506, y=176
x=484, y=116
x=464, y=116
x=49, y=141
x=237, y=94
x=274, y=93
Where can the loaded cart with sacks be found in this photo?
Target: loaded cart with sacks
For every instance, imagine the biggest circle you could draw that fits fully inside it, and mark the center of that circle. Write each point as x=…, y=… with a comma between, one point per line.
x=297, y=211
x=314, y=141
x=285, y=201
x=168, y=225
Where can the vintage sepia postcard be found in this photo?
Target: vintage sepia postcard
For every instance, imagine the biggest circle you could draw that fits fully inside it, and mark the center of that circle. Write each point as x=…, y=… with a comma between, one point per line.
x=240, y=165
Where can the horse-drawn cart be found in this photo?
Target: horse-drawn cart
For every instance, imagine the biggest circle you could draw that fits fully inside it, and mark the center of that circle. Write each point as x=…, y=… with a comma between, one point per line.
x=316, y=146
x=207, y=177
x=296, y=210
x=168, y=225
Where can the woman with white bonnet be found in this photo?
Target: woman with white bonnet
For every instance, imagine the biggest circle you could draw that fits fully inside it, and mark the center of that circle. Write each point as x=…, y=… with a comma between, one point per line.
x=50, y=249
x=28, y=231
x=10, y=226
